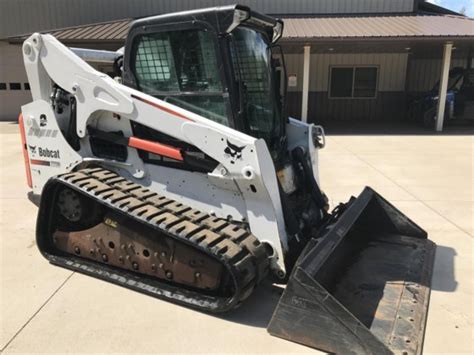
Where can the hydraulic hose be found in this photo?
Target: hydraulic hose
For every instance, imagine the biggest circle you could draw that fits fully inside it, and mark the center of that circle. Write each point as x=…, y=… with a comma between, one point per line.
x=300, y=157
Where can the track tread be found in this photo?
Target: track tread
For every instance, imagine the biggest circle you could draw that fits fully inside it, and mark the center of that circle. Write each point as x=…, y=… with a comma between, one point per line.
x=241, y=251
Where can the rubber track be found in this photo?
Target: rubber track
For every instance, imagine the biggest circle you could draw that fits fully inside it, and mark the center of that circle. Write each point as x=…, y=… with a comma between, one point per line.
x=239, y=250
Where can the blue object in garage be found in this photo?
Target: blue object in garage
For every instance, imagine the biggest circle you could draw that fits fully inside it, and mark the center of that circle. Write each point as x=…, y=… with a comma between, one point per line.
x=459, y=100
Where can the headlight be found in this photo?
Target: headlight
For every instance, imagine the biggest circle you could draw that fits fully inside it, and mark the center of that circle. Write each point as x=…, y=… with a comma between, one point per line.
x=239, y=17
x=277, y=31
x=319, y=138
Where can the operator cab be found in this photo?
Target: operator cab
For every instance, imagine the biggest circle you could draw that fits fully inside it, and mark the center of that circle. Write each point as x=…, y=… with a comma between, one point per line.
x=221, y=63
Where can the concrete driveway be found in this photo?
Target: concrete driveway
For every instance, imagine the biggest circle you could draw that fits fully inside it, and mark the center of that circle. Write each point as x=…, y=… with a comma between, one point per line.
x=48, y=309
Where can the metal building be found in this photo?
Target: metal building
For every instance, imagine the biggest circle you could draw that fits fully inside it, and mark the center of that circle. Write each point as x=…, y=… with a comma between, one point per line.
x=357, y=61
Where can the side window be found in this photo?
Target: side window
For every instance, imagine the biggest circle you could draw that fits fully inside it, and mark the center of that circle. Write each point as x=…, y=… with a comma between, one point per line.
x=154, y=63
x=353, y=82
x=251, y=59
x=180, y=67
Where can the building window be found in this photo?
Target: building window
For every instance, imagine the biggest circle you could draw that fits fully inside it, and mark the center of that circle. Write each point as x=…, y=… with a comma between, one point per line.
x=15, y=86
x=3, y=86
x=342, y=80
x=26, y=86
x=353, y=82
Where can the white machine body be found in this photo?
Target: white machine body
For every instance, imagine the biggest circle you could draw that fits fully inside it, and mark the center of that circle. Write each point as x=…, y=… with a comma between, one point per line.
x=242, y=188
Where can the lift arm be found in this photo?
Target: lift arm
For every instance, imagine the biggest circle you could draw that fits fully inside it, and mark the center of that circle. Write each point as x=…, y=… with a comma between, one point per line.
x=47, y=61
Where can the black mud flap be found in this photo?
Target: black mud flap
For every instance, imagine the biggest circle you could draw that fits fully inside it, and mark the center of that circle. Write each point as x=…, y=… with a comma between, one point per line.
x=363, y=288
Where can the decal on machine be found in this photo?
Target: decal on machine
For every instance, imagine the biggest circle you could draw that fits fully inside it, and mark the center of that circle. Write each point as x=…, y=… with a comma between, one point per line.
x=38, y=152
x=43, y=121
x=41, y=132
x=44, y=152
x=54, y=164
x=233, y=152
x=32, y=149
x=48, y=153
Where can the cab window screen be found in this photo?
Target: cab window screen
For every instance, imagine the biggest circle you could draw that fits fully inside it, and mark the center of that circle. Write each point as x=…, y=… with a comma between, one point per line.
x=251, y=57
x=154, y=63
x=181, y=67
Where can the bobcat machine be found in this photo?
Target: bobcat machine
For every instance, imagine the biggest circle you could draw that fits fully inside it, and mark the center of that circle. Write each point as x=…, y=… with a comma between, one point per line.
x=181, y=176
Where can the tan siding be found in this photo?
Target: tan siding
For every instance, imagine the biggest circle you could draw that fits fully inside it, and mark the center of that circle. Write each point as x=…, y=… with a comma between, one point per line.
x=390, y=101
x=392, y=69
x=294, y=65
x=424, y=73
x=12, y=70
x=21, y=16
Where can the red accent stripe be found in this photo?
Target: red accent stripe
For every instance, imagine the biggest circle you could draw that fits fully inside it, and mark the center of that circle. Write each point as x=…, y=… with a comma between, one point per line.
x=40, y=162
x=156, y=148
x=162, y=108
x=25, y=151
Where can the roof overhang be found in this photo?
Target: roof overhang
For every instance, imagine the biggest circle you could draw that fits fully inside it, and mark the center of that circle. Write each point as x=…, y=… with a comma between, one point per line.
x=419, y=35
x=414, y=27
x=345, y=34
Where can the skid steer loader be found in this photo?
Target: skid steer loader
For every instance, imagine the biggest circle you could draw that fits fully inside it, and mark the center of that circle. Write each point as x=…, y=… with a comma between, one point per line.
x=184, y=178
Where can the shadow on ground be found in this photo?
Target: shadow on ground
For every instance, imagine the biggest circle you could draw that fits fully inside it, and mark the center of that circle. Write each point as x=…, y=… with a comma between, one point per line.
x=444, y=278
x=257, y=311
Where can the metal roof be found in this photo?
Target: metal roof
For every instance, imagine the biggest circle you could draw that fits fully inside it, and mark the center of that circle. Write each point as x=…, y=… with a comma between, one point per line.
x=106, y=31
x=314, y=28
x=378, y=27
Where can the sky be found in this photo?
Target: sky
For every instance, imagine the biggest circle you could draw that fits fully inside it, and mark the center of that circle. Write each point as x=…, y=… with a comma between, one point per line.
x=456, y=5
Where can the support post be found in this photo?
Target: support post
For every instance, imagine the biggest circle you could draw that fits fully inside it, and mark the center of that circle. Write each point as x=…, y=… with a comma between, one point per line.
x=443, y=86
x=305, y=93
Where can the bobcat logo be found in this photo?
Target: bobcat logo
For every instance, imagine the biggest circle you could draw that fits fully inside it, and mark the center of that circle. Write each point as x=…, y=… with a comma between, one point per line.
x=43, y=120
x=233, y=151
x=32, y=149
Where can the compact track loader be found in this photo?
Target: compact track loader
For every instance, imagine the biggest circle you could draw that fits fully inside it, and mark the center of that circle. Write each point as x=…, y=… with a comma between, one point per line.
x=181, y=176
